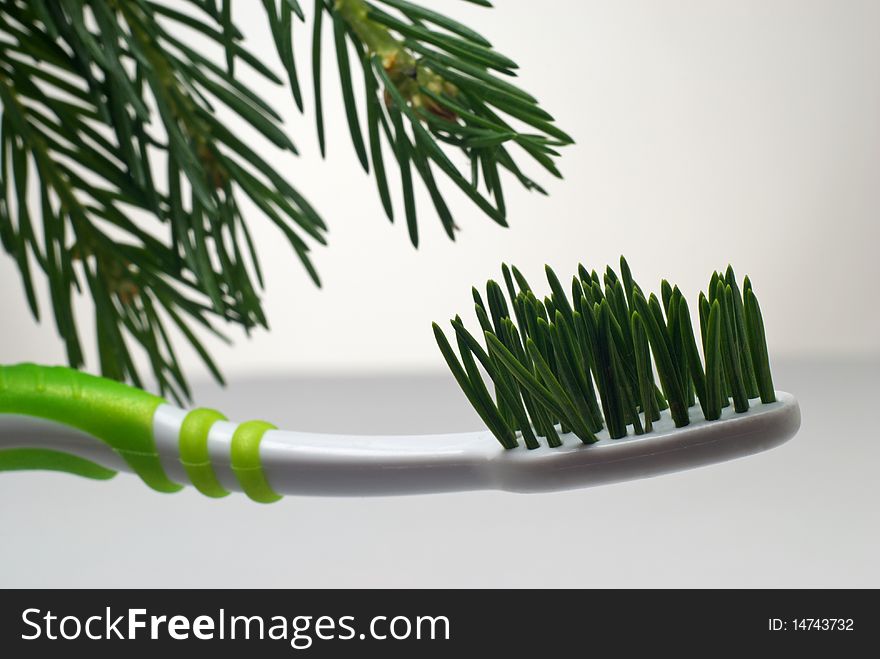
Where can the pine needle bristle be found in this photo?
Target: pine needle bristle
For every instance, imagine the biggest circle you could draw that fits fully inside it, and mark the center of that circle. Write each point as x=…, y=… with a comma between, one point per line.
x=607, y=357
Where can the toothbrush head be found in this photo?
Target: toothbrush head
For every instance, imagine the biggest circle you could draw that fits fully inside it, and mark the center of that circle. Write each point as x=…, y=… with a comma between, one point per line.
x=605, y=355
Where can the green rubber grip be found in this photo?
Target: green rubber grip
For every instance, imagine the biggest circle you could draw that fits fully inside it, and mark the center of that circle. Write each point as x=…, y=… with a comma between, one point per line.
x=194, y=451
x=39, y=459
x=118, y=415
x=245, y=457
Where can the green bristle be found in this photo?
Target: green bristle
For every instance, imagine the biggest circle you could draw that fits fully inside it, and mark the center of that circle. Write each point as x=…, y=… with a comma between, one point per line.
x=627, y=279
x=674, y=339
x=713, y=287
x=612, y=403
x=512, y=339
x=730, y=349
x=584, y=362
x=586, y=339
x=620, y=326
x=620, y=334
x=502, y=405
x=725, y=384
x=587, y=285
x=550, y=306
x=485, y=325
x=686, y=329
x=519, y=312
x=520, y=280
x=602, y=366
x=566, y=373
x=577, y=291
x=616, y=331
x=540, y=336
x=659, y=341
x=508, y=282
x=538, y=305
x=622, y=356
x=686, y=334
x=594, y=332
x=549, y=354
x=482, y=318
x=575, y=341
x=537, y=412
x=542, y=340
x=575, y=351
x=516, y=303
x=658, y=400
x=678, y=343
x=662, y=403
x=560, y=300
x=621, y=309
x=610, y=275
x=583, y=274
x=568, y=412
x=506, y=386
x=657, y=314
x=745, y=352
x=526, y=378
x=591, y=334
x=714, y=391
x=544, y=419
x=704, y=307
x=458, y=326
x=665, y=294
x=482, y=393
x=758, y=343
x=478, y=300
x=530, y=310
x=656, y=311
x=516, y=367
x=496, y=425
x=646, y=385
x=608, y=282
x=630, y=402
x=497, y=304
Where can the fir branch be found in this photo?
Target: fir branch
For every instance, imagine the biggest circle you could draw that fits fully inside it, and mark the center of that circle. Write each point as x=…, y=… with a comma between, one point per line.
x=448, y=86
x=111, y=115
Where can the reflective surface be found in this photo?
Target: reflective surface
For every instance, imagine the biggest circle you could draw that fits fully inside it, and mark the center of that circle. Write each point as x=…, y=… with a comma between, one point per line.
x=803, y=514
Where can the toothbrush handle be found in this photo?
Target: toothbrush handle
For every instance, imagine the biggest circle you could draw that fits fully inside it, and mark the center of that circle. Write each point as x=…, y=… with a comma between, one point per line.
x=114, y=413
x=165, y=445
x=142, y=432
x=40, y=459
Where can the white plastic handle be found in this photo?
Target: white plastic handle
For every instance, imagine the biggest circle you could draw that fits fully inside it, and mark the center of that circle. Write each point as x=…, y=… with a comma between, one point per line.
x=355, y=465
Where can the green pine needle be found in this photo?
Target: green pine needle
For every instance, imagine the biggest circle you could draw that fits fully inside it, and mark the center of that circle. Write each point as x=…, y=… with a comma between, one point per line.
x=587, y=361
x=105, y=107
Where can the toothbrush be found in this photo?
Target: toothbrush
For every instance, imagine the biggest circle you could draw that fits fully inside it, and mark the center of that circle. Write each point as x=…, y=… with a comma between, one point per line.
x=568, y=373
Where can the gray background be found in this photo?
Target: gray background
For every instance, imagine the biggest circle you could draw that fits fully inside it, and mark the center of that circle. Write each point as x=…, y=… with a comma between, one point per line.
x=804, y=514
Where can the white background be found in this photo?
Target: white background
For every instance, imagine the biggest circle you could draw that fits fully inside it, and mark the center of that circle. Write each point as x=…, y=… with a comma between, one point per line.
x=707, y=132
